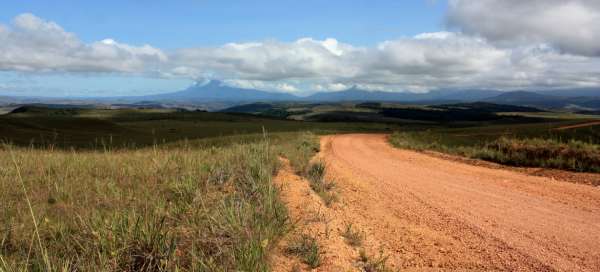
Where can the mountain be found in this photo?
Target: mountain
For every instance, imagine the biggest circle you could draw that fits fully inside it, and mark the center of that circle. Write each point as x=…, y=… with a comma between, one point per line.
x=217, y=91
x=215, y=95
x=355, y=94
x=539, y=100
x=466, y=95
x=582, y=92
x=441, y=96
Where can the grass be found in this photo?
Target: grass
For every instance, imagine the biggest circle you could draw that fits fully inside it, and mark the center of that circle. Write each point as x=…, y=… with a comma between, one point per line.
x=127, y=128
x=573, y=155
x=551, y=150
x=353, y=236
x=372, y=263
x=307, y=249
x=316, y=176
x=164, y=208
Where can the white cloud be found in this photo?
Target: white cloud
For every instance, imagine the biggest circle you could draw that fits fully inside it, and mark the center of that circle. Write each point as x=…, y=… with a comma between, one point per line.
x=430, y=55
x=572, y=26
x=32, y=44
x=330, y=87
x=262, y=85
x=426, y=61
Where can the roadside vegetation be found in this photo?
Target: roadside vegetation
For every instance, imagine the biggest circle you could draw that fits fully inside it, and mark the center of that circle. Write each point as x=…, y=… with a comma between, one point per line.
x=307, y=249
x=551, y=150
x=185, y=206
x=318, y=183
x=353, y=236
x=376, y=263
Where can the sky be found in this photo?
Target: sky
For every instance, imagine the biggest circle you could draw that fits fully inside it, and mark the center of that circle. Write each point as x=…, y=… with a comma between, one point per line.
x=113, y=48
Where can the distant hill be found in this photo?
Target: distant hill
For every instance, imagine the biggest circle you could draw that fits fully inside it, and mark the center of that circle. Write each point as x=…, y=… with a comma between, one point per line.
x=215, y=95
x=217, y=91
x=355, y=94
x=433, y=97
x=487, y=107
x=466, y=95
x=534, y=99
x=583, y=92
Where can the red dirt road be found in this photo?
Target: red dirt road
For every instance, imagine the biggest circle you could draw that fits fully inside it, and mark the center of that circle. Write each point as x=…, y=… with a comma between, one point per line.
x=430, y=213
x=588, y=124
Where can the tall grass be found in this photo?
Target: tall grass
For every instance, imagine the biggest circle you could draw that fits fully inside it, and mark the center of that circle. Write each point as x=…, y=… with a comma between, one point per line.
x=570, y=155
x=169, y=208
x=300, y=150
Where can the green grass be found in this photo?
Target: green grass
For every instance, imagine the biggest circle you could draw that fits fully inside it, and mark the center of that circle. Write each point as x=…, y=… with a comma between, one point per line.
x=186, y=206
x=324, y=188
x=96, y=129
x=353, y=236
x=369, y=263
x=573, y=155
x=307, y=249
x=529, y=146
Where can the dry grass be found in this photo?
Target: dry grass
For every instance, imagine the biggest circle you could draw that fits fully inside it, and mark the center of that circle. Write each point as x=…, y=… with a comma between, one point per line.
x=353, y=236
x=321, y=186
x=573, y=155
x=369, y=263
x=154, y=209
x=307, y=249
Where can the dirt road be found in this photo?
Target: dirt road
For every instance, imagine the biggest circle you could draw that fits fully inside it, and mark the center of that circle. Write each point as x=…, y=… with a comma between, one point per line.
x=429, y=213
x=588, y=124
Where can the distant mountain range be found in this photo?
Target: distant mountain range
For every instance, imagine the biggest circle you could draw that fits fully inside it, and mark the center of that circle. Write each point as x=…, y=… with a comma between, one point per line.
x=217, y=91
x=543, y=100
x=216, y=95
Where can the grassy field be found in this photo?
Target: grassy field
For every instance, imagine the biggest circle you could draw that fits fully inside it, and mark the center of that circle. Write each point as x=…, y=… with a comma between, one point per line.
x=172, y=190
x=183, y=206
x=534, y=145
x=146, y=190
x=95, y=129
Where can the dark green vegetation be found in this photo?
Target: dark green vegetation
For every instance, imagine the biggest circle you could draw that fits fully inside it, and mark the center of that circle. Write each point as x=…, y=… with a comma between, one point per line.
x=94, y=128
x=391, y=113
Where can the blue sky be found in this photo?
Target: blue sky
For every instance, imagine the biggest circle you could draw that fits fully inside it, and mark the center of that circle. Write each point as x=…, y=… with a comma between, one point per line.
x=106, y=48
x=178, y=24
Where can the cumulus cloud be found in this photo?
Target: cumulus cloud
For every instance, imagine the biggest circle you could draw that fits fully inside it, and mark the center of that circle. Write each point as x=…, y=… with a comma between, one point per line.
x=426, y=56
x=572, y=26
x=420, y=63
x=268, y=61
x=33, y=44
x=424, y=62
